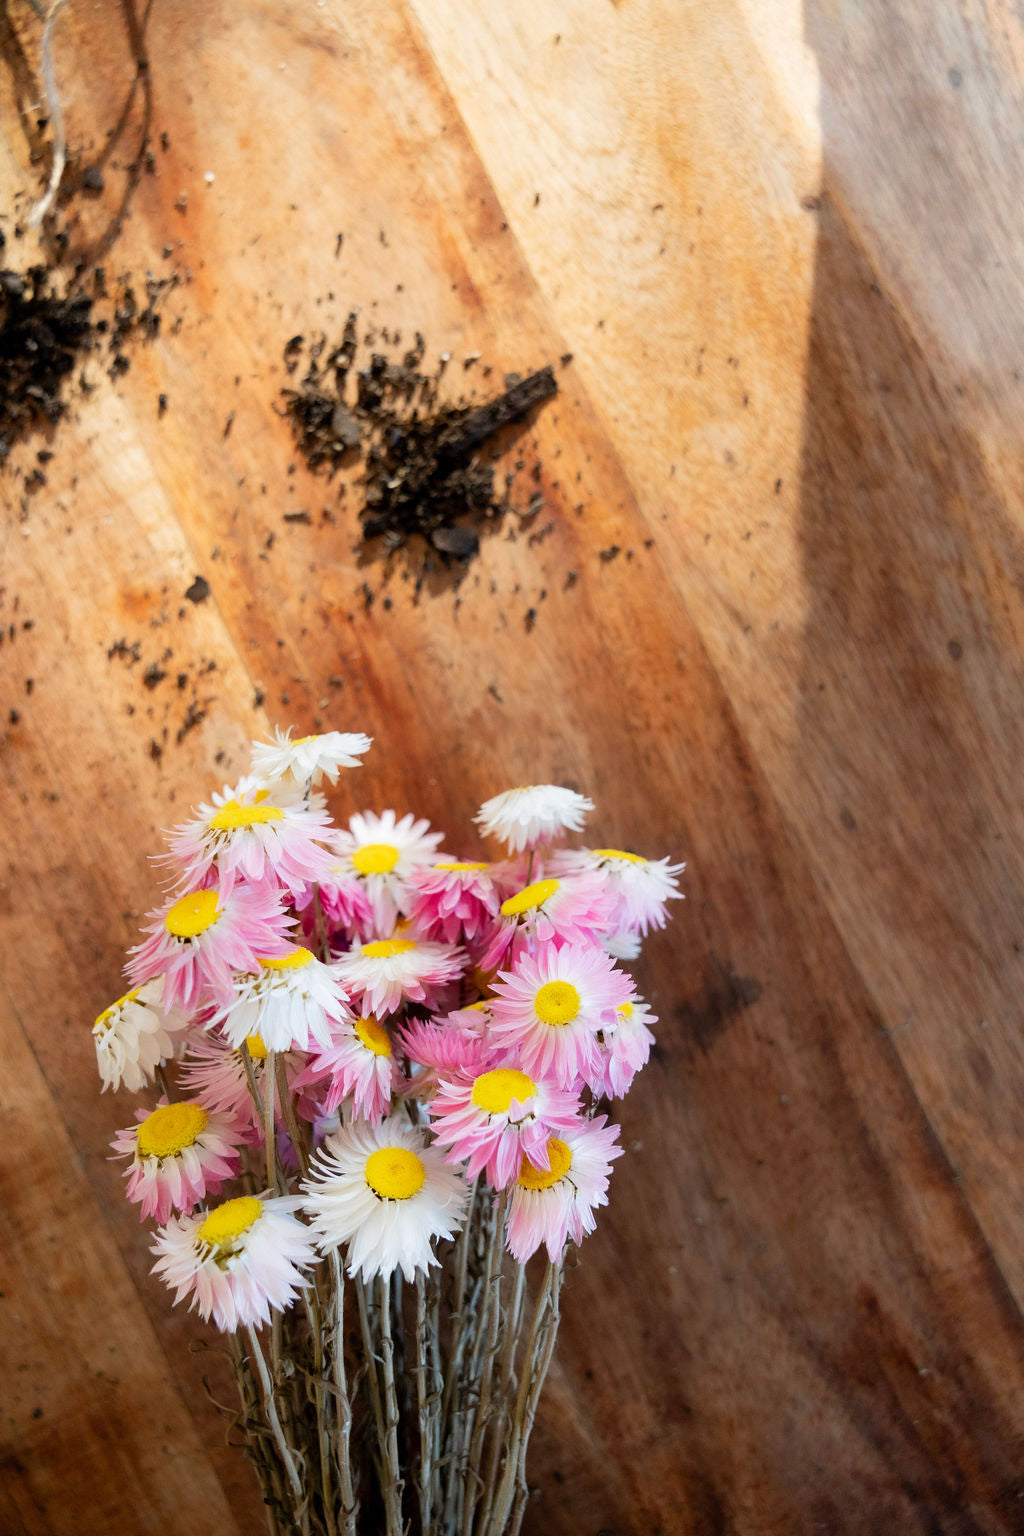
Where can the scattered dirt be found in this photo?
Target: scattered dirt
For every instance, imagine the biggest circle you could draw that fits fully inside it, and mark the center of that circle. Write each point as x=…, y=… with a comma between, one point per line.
x=49, y=324
x=427, y=464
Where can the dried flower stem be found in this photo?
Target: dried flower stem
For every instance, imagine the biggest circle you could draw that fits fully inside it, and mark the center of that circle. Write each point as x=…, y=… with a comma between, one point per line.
x=536, y=1361
x=489, y=1327
x=393, y=1488
x=273, y=1420
x=56, y=115
x=292, y=1126
x=343, y=1436
x=269, y=1131
x=428, y=1401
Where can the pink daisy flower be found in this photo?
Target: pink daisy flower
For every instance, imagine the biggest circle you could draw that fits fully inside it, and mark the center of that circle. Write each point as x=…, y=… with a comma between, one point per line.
x=179, y=1152
x=358, y=1064
x=213, y=1071
x=238, y=1260
x=625, y=1048
x=244, y=834
x=381, y=973
x=453, y=901
x=443, y=1050
x=575, y=910
x=288, y=1000
x=383, y=853
x=198, y=941
x=642, y=887
x=552, y=1005
x=550, y=1205
x=343, y=901
x=492, y=1120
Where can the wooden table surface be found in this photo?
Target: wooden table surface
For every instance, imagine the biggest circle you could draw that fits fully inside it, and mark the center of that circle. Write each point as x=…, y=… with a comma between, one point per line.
x=783, y=243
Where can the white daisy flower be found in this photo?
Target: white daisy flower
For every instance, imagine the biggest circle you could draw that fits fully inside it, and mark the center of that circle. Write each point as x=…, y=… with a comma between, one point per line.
x=622, y=946
x=134, y=1036
x=387, y=1194
x=381, y=973
x=238, y=1260
x=538, y=813
x=384, y=852
x=308, y=759
x=290, y=1000
x=641, y=886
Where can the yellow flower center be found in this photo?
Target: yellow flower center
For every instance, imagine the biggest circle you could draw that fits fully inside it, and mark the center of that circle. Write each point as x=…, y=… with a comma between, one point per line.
x=534, y=895
x=257, y=1050
x=494, y=1091
x=560, y=1159
x=290, y=962
x=463, y=865
x=108, y=1013
x=626, y=1009
x=617, y=853
x=375, y=859
x=226, y=1223
x=395, y=1173
x=373, y=1035
x=476, y=1007
x=557, y=1002
x=300, y=741
x=383, y=949
x=231, y=816
x=191, y=915
x=167, y=1130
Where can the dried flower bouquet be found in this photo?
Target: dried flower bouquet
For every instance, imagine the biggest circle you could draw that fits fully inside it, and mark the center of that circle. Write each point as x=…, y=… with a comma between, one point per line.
x=384, y=1075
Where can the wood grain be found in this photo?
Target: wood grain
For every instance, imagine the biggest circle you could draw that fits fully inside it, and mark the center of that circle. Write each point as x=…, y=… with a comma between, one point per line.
x=771, y=238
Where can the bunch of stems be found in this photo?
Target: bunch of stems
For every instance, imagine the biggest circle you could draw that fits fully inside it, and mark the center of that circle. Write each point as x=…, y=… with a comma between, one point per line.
x=390, y=1407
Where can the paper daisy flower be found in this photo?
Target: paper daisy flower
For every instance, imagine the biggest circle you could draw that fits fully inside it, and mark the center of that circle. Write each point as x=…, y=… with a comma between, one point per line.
x=308, y=759
x=198, y=941
x=212, y=1070
x=383, y=852
x=443, y=1050
x=494, y=1119
x=539, y=813
x=454, y=900
x=552, y=1004
x=549, y=1205
x=358, y=1064
x=642, y=887
x=244, y=834
x=134, y=1036
x=380, y=974
x=238, y=1260
x=622, y=946
x=387, y=1194
x=343, y=902
x=625, y=1046
x=180, y=1153
x=574, y=909
x=288, y=1000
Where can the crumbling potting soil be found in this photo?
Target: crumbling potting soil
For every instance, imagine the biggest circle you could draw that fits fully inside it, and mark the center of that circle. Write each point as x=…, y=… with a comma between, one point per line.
x=48, y=326
x=427, y=465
